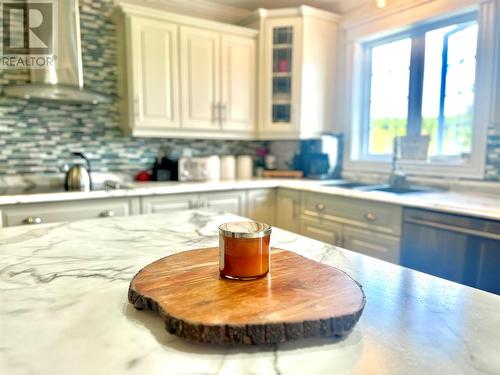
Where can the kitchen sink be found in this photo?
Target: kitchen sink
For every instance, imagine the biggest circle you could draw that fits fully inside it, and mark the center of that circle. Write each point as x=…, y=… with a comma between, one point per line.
x=360, y=186
x=348, y=185
x=398, y=190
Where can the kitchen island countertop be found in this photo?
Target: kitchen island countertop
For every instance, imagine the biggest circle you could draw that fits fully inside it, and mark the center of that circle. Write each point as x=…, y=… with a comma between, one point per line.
x=65, y=311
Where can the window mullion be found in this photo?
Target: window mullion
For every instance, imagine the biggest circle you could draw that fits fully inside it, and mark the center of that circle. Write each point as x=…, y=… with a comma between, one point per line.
x=417, y=62
x=366, y=102
x=442, y=94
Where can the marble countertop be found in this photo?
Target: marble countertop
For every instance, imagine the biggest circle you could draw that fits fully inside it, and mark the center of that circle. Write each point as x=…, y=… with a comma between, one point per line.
x=474, y=203
x=64, y=308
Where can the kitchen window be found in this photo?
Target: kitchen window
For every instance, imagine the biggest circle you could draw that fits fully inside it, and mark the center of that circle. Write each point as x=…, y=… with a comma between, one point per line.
x=432, y=77
x=421, y=82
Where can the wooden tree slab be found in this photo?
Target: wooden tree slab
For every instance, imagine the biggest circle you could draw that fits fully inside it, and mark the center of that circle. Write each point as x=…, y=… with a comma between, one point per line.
x=299, y=298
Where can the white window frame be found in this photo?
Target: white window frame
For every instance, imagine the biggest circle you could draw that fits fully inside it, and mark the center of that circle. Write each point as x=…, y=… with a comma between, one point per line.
x=404, y=18
x=416, y=80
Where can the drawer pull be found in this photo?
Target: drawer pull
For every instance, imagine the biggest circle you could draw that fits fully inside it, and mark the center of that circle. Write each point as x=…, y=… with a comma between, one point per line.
x=31, y=220
x=201, y=204
x=370, y=217
x=320, y=207
x=107, y=213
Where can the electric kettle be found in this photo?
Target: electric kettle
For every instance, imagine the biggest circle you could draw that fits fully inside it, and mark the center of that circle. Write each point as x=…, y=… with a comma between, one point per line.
x=77, y=174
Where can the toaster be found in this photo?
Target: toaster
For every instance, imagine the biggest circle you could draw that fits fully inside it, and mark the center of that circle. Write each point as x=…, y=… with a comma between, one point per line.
x=206, y=168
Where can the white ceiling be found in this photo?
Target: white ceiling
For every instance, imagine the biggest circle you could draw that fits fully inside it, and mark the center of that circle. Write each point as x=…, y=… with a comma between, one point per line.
x=339, y=6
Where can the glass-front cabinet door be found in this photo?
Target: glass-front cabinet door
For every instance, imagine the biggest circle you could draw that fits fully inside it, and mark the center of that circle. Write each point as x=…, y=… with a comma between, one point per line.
x=282, y=78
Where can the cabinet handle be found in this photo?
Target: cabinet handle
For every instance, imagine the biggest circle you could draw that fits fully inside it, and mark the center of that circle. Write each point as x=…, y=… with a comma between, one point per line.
x=107, y=213
x=136, y=107
x=216, y=110
x=198, y=204
x=452, y=228
x=342, y=241
x=320, y=207
x=294, y=211
x=31, y=220
x=223, y=112
x=369, y=216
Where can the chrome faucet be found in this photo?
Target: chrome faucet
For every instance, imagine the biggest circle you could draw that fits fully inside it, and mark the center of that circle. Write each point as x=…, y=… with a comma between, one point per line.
x=397, y=178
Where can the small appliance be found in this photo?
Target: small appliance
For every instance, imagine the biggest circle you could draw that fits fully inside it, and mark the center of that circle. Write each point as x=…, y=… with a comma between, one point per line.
x=270, y=162
x=165, y=167
x=206, y=168
x=320, y=158
x=77, y=174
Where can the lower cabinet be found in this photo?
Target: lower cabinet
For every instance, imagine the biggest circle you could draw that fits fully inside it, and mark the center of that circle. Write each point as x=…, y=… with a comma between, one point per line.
x=168, y=203
x=38, y=213
x=261, y=205
x=362, y=241
x=370, y=228
x=229, y=201
x=288, y=210
x=371, y=243
x=328, y=232
x=234, y=202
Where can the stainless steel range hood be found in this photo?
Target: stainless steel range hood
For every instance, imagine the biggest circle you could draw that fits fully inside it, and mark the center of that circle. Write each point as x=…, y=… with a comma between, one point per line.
x=64, y=81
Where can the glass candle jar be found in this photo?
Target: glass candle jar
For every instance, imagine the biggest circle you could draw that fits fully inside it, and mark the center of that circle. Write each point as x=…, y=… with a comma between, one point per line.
x=244, y=250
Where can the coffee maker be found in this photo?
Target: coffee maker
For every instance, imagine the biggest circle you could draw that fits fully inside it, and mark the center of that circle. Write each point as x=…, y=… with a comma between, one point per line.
x=321, y=158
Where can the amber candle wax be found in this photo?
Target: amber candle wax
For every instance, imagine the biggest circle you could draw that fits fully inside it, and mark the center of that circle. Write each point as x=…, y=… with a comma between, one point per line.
x=244, y=250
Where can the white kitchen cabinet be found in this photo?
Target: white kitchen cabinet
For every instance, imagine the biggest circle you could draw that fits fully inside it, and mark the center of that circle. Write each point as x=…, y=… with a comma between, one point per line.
x=233, y=202
x=261, y=205
x=152, y=103
x=185, y=77
x=237, y=106
x=168, y=203
x=288, y=210
x=281, y=83
x=375, y=216
x=371, y=228
x=228, y=201
x=200, y=77
x=218, y=81
x=325, y=231
x=38, y=213
x=297, y=71
x=371, y=243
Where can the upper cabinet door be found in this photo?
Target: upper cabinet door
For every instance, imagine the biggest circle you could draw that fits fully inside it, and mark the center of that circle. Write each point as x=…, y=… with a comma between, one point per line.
x=237, y=109
x=155, y=74
x=282, y=74
x=200, y=77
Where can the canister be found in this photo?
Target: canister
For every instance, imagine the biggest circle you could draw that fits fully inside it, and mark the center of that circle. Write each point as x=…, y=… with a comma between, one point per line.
x=244, y=167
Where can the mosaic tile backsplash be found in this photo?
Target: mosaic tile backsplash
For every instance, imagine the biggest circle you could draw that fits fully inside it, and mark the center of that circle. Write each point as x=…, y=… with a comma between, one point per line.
x=37, y=137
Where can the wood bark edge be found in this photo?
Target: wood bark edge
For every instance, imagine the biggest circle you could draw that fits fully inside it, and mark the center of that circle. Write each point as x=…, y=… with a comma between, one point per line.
x=249, y=334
